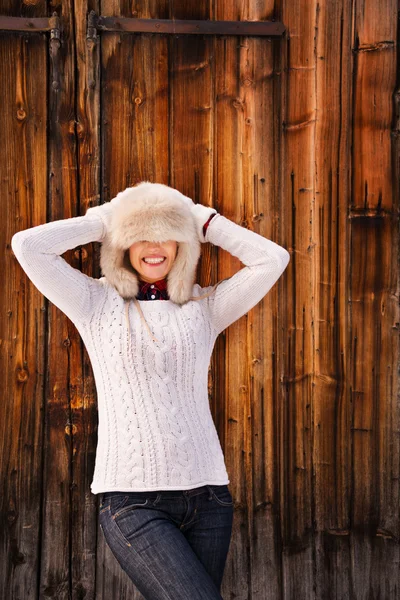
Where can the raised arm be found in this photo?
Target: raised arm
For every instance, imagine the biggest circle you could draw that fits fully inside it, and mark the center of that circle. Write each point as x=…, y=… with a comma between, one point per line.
x=38, y=251
x=264, y=262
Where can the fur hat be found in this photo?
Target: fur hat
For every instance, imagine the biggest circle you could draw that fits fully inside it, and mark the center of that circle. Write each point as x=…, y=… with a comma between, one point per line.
x=154, y=212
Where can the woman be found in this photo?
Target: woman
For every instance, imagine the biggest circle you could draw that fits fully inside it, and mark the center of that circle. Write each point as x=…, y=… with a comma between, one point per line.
x=165, y=507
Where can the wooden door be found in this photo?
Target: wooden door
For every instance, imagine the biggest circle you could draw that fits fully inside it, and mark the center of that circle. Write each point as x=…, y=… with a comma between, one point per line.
x=289, y=128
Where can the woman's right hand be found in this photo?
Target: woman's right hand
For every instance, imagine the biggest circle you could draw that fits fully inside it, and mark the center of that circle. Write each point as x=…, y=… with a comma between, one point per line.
x=104, y=211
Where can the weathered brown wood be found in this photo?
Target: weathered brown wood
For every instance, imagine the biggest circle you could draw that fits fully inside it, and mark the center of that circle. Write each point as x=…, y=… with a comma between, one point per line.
x=190, y=26
x=296, y=138
x=28, y=24
x=243, y=168
x=331, y=406
x=134, y=25
x=374, y=309
x=83, y=400
x=233, y=389
x=63, y=342
x=23, y=329
x=298, y=172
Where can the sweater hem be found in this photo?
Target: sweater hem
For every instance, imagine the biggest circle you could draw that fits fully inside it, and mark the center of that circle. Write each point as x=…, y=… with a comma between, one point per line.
x=100, y=490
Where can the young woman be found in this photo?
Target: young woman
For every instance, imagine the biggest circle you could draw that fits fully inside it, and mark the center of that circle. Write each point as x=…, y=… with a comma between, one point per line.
x=165, y=507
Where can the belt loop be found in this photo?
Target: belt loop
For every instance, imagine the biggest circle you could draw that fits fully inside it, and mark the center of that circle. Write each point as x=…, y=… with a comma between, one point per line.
x=210, y=497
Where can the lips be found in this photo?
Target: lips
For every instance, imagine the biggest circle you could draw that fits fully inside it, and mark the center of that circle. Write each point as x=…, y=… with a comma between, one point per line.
x=154, y=264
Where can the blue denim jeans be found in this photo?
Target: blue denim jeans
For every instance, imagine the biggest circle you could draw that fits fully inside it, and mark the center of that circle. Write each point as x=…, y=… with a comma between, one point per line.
x=173, y=544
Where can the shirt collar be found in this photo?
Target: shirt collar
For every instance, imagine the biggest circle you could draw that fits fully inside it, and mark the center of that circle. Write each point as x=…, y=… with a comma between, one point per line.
x=161, y=284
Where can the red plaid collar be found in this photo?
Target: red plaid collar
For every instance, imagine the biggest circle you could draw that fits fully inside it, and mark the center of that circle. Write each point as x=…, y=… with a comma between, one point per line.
x=161, y=285
x=156, y=288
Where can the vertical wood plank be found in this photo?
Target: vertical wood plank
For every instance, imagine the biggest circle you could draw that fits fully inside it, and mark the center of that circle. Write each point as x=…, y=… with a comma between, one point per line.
x=63, y=343
x=332, y=402
x=228, y=191
x=252, y=341
x=23, y=332
x=296, y=481
x=83, y=427
x=374, y=306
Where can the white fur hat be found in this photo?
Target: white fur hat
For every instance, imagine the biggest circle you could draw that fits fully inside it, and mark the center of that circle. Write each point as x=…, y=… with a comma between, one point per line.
x=154, y=212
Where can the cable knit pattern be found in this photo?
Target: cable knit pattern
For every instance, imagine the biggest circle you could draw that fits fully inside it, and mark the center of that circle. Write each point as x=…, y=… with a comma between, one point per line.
x=155, y=424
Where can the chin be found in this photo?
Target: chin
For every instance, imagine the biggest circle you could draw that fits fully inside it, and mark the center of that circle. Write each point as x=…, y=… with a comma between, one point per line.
x=154, y=277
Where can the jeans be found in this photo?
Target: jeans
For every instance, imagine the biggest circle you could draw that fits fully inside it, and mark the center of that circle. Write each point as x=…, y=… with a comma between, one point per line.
x=173, y=544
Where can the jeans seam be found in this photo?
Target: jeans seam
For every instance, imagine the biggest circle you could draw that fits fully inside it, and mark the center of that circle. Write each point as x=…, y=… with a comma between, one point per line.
x=157, y=499
x=191, y=520
x=221, y=502
x=124, y=509
x=143, y=563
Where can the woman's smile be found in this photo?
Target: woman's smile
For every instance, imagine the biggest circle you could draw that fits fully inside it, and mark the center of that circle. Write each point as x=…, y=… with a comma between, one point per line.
x=153, y=260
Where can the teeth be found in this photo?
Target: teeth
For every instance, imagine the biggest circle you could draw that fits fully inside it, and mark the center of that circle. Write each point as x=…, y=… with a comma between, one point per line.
x=153, y=260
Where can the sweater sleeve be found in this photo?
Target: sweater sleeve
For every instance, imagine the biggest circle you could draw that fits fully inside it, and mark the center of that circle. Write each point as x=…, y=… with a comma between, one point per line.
x=264, y=262
x=38, y=251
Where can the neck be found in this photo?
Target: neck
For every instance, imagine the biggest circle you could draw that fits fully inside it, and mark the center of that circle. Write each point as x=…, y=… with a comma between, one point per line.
x=142, y=281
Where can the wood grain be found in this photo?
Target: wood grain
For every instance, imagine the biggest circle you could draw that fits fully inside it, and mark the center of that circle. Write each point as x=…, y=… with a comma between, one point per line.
x=295, y=138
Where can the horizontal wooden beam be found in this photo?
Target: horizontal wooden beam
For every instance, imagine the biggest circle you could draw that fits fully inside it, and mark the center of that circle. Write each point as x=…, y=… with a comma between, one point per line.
x=183, y=26
x=165, y=26
x=33, y=24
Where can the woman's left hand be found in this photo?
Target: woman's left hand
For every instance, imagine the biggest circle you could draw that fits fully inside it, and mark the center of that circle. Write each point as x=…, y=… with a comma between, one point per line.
x=201, y=214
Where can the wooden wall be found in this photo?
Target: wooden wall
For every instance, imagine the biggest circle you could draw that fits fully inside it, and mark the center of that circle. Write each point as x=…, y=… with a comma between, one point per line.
x=296, y=138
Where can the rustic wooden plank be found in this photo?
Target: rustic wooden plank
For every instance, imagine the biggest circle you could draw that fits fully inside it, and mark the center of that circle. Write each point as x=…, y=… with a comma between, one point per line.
x=27, y=24
x=22, y=326
x=374, y=306
x=63, y=340
x=190, y=123
x=331, y=400
x=83, y=400
x=253, y=341
x=298, y=190
x=135, y=117
x=260, y=76
x=191, y=26
x=228, y=193
x=241, y=157
x=134, y=25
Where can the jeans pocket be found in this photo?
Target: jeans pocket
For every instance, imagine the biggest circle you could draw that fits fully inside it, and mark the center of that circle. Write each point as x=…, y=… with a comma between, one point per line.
x=127, y=519
x=131, y=503
x=115, y=501
x=105, y=502
x=222, y=495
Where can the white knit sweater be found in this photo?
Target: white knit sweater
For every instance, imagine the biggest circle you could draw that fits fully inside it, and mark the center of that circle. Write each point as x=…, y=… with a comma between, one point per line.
x=156, y=430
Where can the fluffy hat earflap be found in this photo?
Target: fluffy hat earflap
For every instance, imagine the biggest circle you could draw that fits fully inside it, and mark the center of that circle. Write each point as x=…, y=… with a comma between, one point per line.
x=153, y=212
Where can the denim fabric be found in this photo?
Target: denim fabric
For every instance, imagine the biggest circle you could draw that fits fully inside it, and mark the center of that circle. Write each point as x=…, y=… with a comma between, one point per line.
x=173, y=544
